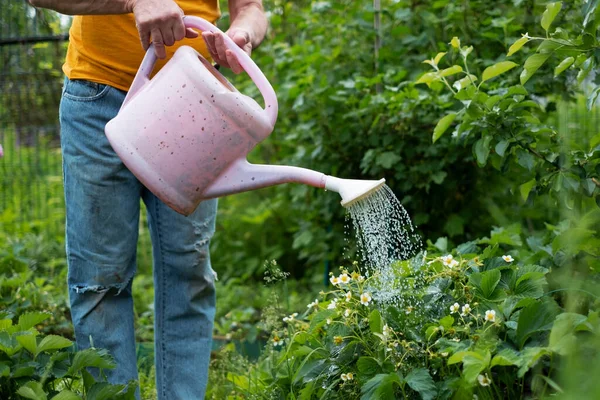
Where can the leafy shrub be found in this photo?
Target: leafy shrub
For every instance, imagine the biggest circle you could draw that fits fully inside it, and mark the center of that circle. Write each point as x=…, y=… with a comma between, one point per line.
x=37, y=367
x=478, y=320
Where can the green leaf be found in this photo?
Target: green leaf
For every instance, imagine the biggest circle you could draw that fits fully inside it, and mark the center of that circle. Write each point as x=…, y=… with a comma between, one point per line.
x=586, y=67
x=525, y=159
x=552, y=10
x=474, y=363
x=428, y=78
x=537, y=317
x=455, y=69
x=66, y=395
x=319, y=319
x=562, y=336
x=529, y=357
x=438, y=58
x=375, y=322
x=420, y=381
x=591, y=101
x=442, y=126
x=501, y=147
x=368, y=366
x=506, y=357
x=4, y=370
x=381, y=386
x=532, y=64
x=464, y=82
x=489, y=282
x=497, y=69
x=96, y=358
x=516, y=46
x=104, y=391
x=482, y=150
x=564, y=64
x=457, y=357
x=32, y=390
x=30, y=320
x=306, y=393
x=28, y=342
x=526, y=188
x=447, y=322
x=388, y=159
x=53, y=342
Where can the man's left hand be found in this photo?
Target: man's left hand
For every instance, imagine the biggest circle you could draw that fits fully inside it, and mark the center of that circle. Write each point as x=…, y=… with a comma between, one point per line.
x=220, y=52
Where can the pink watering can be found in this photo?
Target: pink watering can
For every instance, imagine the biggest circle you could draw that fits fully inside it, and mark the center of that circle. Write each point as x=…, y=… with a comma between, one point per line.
x=186, y=132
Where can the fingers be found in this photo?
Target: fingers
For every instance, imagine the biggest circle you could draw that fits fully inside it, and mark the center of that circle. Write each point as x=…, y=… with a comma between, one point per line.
x=190, y=33
x=162, y=25
x=221, y=49
x=233, y=62
x=179, y=31
x=209, y=39
x=221, y=54
x=159, y=45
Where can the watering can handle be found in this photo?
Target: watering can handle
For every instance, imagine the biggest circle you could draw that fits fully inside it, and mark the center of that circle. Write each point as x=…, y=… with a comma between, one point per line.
x=143, y=75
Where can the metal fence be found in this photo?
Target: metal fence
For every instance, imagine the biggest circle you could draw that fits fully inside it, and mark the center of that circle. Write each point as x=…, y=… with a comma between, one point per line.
x=32, y=49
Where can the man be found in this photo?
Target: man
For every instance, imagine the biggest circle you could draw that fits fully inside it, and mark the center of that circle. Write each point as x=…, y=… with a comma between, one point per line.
x=103, y=197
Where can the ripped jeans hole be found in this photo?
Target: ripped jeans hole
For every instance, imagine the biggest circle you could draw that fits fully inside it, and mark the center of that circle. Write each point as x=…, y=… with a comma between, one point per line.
x=200, y=227
x=99, y=289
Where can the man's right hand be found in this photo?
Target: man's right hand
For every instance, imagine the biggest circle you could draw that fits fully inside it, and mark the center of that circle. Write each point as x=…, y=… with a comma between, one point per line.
x=160, y=22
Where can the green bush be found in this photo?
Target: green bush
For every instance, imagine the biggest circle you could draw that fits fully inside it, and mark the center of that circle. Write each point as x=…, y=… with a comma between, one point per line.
x=477, y=320
x=37, y=367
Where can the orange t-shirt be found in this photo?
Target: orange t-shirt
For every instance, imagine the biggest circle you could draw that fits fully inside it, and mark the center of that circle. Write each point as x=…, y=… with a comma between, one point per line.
x=106, y=48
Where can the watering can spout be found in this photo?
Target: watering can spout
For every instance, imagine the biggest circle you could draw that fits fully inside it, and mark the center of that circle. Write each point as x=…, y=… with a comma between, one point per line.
x=241, y=176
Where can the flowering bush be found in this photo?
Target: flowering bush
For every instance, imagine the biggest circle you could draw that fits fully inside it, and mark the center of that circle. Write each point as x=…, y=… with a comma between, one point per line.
x=475, y=322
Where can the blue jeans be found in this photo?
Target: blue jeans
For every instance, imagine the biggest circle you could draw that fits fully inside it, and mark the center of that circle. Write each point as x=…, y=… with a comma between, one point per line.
x=103, y=208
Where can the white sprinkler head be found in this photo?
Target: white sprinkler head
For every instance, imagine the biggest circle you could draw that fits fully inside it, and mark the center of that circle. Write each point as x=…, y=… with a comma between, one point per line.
x=352, y=190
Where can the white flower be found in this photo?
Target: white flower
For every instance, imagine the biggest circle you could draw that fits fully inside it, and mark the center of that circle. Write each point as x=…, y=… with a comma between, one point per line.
x=334, y=280
x=453, y=264
x=484, y=380
x=329, y=321
x=332, y=305
x=408, y=310
x=345, y=279
x=290, y=318
x=347, y=312
x=454, y=308
x=348, y=296
x=361, y=278
x=447, y=259
x=314, y=304
x=490, y=315
x=508, y=258
x=277, y=341
x=365, y=299
x=466, y=309
x=347, y=377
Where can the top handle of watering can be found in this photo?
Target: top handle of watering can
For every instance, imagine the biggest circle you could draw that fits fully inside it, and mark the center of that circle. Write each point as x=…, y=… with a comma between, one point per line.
x=143, y=75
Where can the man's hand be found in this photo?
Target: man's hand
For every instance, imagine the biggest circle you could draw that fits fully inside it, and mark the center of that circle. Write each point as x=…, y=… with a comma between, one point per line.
x=160, y=22
x=219, y=51
x=247, y=30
